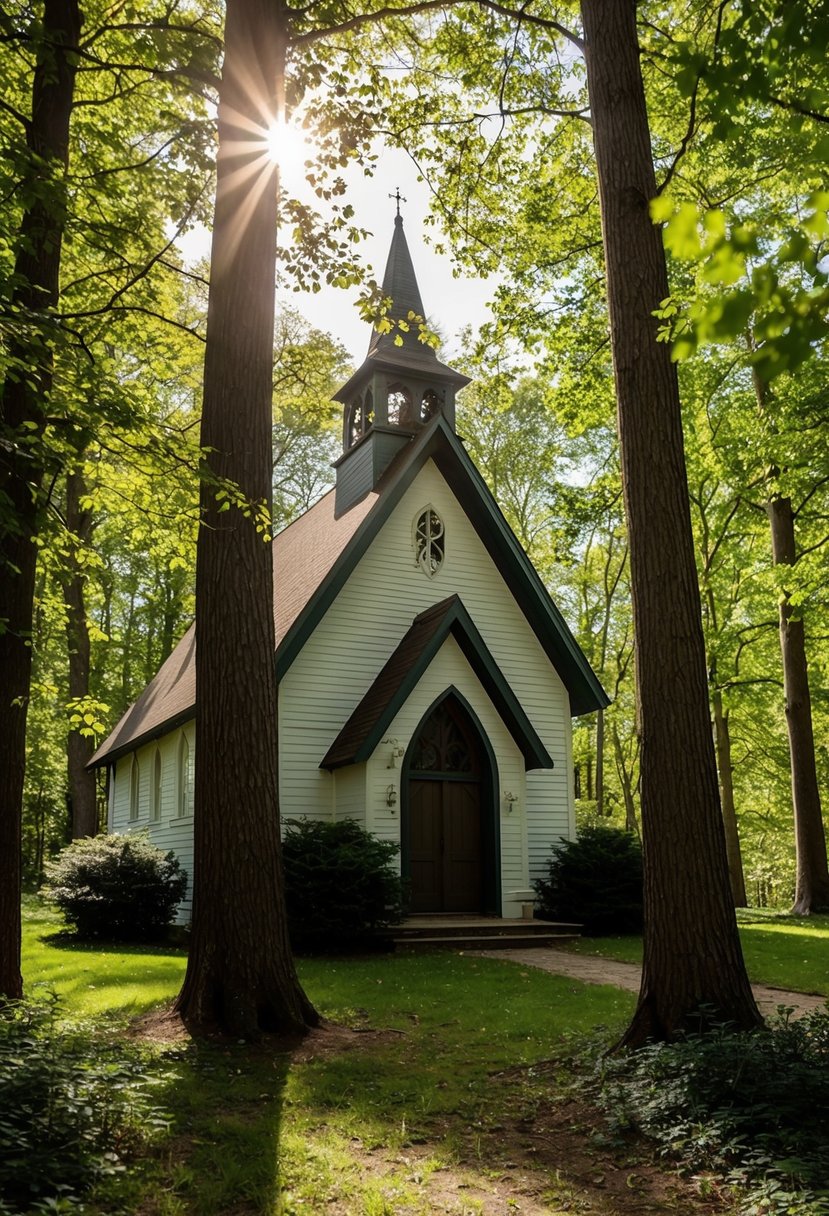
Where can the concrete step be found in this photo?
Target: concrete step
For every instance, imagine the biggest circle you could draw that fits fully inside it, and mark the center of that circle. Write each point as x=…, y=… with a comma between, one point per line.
x=452, y=926
x=477, y=933
x=479, y=941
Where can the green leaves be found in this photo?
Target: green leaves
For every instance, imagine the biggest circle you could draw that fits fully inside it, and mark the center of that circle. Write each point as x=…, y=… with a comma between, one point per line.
x=85, y=716
x=771, y=295
x=73, y=1106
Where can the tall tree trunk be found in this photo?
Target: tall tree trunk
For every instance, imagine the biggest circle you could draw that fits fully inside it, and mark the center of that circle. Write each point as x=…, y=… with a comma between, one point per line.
x=725, y=768
x=23, y=403
x=240, y=973
x=812, y=874
x=692, y=955
x=812, y=880
x=600, y=762
x=79, y=748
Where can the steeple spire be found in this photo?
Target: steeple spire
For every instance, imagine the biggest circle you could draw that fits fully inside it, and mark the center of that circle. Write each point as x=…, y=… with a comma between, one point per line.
x=400, y=286
x=402, y=385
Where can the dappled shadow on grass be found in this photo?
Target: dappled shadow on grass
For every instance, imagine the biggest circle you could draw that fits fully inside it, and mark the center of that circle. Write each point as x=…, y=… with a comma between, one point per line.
x=455, y=1021
x=65, y=939
x=220, y=1153
x=94, y=977
x=224, y=1153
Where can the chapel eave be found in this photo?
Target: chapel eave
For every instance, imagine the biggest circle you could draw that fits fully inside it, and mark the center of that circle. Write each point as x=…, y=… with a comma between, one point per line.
x=403, y=669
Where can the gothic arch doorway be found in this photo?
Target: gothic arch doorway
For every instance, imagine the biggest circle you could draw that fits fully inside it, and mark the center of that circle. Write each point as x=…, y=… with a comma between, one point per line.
x=450, y=845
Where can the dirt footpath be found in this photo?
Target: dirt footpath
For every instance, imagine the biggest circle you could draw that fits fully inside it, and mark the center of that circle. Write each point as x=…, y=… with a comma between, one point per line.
x=592, y=970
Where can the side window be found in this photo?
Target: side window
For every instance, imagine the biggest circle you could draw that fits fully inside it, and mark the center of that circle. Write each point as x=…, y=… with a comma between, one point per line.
x=399, y=406
x=429, y=541
x=183, y=800
x=135, y=788
x=155, y=798
x=429, y=405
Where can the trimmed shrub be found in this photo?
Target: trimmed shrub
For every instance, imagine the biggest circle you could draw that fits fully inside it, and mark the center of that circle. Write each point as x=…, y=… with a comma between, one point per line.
x=340, y=887
x=595, y=881
x=73, y=1106
x=119, y=887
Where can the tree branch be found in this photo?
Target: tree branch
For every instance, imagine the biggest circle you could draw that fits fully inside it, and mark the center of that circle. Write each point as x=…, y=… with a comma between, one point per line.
x=424, y=6
x=798, y=109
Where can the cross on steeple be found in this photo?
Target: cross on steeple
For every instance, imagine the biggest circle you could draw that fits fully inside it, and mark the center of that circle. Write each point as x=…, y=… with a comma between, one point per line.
x=398, y=197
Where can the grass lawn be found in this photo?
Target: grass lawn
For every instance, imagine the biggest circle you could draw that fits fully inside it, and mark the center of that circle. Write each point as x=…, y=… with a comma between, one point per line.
x=409, y=1115
x=445, y=1085
x=783, y=951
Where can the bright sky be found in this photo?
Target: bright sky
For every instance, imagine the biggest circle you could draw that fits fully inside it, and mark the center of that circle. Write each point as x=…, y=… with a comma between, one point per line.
x=450, y=303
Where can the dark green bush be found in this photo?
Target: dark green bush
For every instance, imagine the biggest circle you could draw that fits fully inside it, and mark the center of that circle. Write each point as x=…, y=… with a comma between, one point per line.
x=749, y=1108
x=72, y=1107
x=118, y=887
x=339, y=885
x=595, y=881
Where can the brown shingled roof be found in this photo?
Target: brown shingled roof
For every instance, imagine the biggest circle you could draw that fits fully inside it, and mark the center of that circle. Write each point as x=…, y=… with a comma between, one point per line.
x=303, y=554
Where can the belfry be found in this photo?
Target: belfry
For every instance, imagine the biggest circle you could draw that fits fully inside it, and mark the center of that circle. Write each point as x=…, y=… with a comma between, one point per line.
x=400, y=386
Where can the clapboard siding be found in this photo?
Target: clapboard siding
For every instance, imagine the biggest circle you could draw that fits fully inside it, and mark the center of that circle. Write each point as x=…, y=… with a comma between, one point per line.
x=172, y=831
x=385, y=591
x=338, y=664
x=451, y=668
x=350, y=793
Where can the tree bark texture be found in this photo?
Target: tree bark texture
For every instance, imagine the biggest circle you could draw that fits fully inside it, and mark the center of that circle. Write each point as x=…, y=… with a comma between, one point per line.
x=79, y=748
x=725, y=768
x=692, y=955
x=23, y=401
x=240, y=974
x=812, y=875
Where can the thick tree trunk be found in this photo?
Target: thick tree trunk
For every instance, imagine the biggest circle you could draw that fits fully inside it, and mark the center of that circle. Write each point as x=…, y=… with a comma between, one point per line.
x=692, y=956
x=23, y=401
x=812, y=880
x=79, y=748
x=722, y=737
x=240, y=973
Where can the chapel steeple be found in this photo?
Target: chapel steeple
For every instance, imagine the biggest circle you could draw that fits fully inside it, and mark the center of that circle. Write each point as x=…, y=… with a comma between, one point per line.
x=401, y=384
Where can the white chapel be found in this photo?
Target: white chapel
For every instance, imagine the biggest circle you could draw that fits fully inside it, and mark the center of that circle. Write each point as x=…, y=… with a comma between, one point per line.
x=427, y=681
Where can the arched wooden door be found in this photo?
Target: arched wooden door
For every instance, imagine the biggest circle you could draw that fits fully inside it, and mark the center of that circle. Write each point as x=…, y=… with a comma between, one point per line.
x=448, y=851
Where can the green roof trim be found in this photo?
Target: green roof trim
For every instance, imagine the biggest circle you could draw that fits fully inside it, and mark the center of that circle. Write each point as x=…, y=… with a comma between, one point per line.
x=371, y=718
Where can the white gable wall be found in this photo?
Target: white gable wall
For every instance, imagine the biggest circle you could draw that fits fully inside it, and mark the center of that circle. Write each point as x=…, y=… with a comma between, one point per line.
x=363, y=626
x=339, y=663
x=451, y=667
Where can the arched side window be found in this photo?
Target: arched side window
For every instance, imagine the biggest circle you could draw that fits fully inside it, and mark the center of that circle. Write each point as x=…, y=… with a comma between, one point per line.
x=430, y=405
x=399, y=406
x=135, y=788
x=183, y=791
x=429, y=541
x=354, y=425
x=360, y=418
x=155, y=793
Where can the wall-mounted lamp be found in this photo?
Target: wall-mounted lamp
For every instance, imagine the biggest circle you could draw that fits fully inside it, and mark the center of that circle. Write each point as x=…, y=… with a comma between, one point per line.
x=510, y=801
x=391, y=796
x=396, y=752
